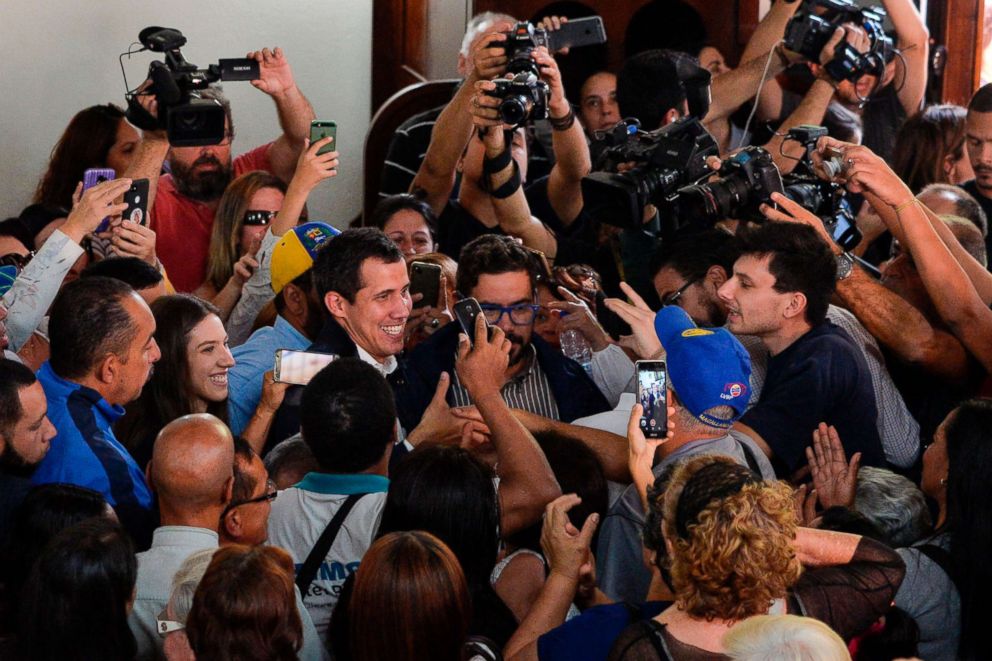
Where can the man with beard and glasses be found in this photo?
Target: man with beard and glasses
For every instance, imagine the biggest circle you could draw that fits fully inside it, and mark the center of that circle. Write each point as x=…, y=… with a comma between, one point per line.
x=499, y=273
x=25, y=436
x=185, y=201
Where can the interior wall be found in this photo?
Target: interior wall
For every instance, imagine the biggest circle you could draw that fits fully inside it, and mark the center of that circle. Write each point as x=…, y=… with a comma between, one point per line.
x=60, y=57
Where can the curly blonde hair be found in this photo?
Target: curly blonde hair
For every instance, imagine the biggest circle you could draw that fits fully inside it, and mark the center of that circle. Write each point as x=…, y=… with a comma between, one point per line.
x=731, y=537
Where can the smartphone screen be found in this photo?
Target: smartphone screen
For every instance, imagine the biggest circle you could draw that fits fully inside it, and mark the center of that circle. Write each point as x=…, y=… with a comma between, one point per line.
x=320, y=129
x=652, y=394
x=425, y=278
x=300, y=366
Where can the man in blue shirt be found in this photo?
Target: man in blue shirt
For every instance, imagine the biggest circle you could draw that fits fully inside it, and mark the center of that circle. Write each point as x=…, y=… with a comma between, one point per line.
x=102, y=351
x=298, y=320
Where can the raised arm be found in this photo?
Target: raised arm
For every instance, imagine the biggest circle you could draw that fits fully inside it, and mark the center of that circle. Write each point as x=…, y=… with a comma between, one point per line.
x=914, y=42
x=436, y=176
x=527, y=482
x=764, y=38
x=572, y=160
x=886, y=315
x=732, y=89
x=295, y=112
x=511, y=208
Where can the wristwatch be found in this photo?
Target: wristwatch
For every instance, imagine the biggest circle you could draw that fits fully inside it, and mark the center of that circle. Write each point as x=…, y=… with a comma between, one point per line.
x=845, y=265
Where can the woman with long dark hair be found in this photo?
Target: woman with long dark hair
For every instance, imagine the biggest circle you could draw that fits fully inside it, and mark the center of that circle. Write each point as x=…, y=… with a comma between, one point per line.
x=948, y=574
x=96, y=137
x=191, y=376
x=76, y=600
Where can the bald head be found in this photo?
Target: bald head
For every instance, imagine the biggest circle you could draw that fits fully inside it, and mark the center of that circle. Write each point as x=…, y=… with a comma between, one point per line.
x=969, y=236
x=192, y=468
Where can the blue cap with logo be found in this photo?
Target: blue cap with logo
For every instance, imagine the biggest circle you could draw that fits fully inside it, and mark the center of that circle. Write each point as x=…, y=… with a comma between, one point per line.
x=707, y=367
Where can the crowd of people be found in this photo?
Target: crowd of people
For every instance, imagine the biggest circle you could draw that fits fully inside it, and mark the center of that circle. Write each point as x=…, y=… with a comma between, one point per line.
x=466, y=482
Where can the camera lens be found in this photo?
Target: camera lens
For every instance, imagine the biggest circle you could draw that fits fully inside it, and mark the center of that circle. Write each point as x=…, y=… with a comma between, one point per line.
x=514, y=110
x=714, y=201
x=808, y=196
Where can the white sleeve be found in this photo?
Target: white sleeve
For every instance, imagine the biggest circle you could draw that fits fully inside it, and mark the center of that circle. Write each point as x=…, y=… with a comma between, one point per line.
x=255, y=294
x=612, y=372
x=32, y=293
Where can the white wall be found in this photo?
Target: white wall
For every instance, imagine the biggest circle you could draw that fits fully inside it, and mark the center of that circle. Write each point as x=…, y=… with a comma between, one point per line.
x=61, y=56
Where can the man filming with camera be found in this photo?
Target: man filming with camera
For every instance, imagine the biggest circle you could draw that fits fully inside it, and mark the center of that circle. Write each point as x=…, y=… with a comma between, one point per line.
x=183, y=203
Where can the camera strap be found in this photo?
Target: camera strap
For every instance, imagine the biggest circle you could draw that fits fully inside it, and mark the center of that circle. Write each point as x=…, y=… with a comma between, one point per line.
x=496, y=165
x=499, y=163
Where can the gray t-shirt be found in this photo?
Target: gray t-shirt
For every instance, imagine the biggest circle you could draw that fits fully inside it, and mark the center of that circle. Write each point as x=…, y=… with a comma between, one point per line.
x=929, y=596
x=619, y=559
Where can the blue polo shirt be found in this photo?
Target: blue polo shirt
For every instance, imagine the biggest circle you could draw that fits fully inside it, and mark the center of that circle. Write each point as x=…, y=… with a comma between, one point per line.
x=251, y=360
x=85, y=451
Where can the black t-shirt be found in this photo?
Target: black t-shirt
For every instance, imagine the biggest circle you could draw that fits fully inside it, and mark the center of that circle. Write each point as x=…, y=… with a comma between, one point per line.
x=971, y=187
x=821, y=377
x=456, y=227
x=883, y=115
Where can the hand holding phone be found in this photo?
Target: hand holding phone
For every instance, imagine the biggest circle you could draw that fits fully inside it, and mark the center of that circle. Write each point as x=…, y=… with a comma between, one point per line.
x=425, y=278
x=482, y=361
x=92, y=177
x=466, y=311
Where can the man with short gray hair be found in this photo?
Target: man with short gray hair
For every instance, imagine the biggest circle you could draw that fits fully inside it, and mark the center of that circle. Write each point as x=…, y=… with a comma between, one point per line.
x=894, y=504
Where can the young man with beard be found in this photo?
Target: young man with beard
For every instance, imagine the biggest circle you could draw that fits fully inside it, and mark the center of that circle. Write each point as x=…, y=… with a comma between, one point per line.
x=978, y=138
x=185, y=201
x=25, y=436
x=498, y=272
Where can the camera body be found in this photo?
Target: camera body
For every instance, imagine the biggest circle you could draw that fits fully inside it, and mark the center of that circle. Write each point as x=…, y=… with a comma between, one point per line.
x=524, y=97
x=747, y=179
x=664, y=160
x=188, y=119
x=808, y=32
x=520, y=43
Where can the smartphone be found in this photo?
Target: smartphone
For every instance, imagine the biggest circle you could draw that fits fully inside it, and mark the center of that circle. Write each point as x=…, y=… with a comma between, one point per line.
x=466, y=310
x=92, y=177
x=578, y=32
x=425, y=278
x=299, y=367
x=320, y=129
x=652, y=394
x=136, y=199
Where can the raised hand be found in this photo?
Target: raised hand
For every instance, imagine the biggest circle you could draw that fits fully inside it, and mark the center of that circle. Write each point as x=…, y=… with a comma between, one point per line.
x=577, y=315
x=311, y=168
x=489, y=56
x=641, y=320
x=641, y=450
x=481, y=364
x=89, y=208
x=275, y=74
x=566, y=547
x=131, y=239
x=834, y=478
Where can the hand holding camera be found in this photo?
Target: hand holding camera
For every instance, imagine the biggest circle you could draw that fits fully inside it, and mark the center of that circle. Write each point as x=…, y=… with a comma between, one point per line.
x=275, y=75
x=489, y=56
x=866, y=172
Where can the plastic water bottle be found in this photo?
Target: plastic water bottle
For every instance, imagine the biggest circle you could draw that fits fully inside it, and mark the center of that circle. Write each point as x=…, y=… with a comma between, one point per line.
x=575, y=345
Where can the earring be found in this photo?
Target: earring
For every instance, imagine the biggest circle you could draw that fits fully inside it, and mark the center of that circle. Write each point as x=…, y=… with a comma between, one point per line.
x=943, y=481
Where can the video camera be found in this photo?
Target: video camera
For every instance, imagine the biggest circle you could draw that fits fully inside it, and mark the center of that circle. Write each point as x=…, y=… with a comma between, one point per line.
x=188, y=119
x=748, y=179
x=666, y=159
x=809, y=31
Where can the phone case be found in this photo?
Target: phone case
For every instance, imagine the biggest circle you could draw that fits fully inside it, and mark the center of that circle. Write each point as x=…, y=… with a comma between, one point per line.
x=91, y=178
x=302, y=366
x=466, y=310
x=136, y=199
x=425, y=278
x=319, y=130
x=578, y=32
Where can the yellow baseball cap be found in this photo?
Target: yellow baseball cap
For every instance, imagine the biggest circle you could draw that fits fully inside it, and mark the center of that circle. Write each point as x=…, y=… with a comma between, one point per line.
x=294, y=254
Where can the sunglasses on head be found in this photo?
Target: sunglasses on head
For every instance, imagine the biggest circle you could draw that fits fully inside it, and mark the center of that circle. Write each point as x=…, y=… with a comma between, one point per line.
x=259, y=218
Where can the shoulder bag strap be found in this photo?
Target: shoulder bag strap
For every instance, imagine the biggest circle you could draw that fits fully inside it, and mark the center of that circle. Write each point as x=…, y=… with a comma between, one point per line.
x=319, y=551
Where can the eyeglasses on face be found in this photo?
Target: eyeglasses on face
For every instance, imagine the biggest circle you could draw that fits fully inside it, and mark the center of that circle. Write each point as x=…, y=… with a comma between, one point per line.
x=520, y=314
x=270, y=494
x=672, y=298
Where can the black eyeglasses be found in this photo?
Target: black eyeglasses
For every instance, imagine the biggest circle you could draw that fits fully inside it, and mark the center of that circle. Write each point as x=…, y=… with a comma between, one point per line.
x=270, y=494
x=677, y=294
x=16, y=259
x=256, y=218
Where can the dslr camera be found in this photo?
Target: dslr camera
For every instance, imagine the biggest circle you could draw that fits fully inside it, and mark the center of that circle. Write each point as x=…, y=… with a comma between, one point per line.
x=809, y=30
x=188, y=119
x=748, y=179
x=664, y=159
x=525, y=95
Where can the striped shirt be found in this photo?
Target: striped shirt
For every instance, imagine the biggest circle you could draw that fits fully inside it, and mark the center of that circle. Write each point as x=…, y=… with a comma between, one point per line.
x=528, y=390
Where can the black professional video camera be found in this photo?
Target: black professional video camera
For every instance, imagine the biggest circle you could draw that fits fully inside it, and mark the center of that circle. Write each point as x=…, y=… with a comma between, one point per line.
x=188, y=120
x=665, y=159
x=748, y=179
x=524, y=97
x=809, y=31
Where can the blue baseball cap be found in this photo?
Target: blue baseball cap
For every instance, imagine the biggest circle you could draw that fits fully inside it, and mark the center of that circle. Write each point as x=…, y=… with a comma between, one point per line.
x=707, y=367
